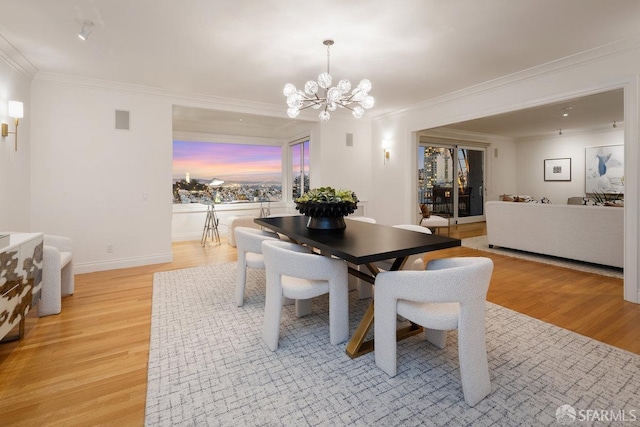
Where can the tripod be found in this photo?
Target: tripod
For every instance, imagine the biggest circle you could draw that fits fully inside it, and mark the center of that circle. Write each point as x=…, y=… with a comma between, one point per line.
x=210, y=226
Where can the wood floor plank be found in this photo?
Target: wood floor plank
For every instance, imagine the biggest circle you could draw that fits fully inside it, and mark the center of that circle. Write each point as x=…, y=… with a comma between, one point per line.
x=88, y=365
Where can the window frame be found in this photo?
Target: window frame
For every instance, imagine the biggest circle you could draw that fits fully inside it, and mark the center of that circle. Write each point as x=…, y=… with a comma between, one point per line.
x=290, y=167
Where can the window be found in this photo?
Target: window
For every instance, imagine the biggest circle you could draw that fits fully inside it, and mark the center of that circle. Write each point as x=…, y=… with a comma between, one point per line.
x=299, y=168
x=250, y=172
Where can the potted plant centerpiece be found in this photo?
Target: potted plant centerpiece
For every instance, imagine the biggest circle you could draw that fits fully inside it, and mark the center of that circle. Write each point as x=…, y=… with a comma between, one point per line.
x=326, y=207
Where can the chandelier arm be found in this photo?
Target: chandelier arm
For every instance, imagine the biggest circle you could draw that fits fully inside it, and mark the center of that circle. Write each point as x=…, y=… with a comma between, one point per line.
x=350, y=98
x=305, y=107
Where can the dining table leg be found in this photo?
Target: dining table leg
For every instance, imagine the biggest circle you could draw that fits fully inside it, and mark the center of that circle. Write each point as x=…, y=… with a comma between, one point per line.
x=357, y=345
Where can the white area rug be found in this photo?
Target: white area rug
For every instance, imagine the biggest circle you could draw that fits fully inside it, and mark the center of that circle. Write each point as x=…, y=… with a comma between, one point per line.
x=208, y=366
x=480, y=243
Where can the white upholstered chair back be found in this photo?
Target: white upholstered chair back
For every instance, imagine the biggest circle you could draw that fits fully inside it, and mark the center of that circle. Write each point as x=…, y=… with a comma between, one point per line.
x=249, y=246
x=449, y=294
x=361, y=218
x=296, y=273
x=413, y=262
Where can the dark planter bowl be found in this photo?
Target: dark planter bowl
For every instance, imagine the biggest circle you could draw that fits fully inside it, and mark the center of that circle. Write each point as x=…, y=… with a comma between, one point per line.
x=326, y=216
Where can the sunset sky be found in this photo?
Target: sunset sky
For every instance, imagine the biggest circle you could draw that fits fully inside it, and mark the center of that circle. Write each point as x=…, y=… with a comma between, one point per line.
x=229, y=162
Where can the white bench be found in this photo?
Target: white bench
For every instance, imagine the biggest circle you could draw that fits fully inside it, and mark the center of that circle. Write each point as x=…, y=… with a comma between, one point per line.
x=238, y=221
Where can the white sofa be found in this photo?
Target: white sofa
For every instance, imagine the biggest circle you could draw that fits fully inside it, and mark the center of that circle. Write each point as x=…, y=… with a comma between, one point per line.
x=585, y=233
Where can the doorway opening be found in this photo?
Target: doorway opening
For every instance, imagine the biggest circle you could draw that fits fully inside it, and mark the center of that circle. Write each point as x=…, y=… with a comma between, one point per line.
x=451, y=180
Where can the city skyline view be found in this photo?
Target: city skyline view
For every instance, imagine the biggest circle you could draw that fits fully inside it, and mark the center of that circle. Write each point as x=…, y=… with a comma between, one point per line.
x=229, y=162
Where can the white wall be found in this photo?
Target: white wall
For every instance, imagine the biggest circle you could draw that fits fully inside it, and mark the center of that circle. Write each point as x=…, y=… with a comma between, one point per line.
x=598, y=70
x=106, y=187
x=98, y=185
x=501, y=169
x=15, y=167
x=337, y=165
x=532, y=152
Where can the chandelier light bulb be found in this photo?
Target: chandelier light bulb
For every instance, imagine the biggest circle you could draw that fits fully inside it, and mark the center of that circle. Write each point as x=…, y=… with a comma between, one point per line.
x=311, y=87
x=289, y=89
x=322, y=96
x=324, y=80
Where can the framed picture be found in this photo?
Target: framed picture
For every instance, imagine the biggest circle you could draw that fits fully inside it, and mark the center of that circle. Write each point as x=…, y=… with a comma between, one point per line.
x=604, y=169
x=557, y=169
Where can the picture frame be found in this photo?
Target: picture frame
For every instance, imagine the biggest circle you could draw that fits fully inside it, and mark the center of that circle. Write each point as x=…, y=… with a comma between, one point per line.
x=604, y=169
x=557, y=169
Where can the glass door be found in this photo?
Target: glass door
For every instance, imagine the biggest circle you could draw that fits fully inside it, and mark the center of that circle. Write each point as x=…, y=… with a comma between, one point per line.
x=470, y=172
x=451, y=181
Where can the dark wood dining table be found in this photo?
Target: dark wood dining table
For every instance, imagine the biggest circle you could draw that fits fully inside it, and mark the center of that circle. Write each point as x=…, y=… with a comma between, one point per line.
x=361, y=243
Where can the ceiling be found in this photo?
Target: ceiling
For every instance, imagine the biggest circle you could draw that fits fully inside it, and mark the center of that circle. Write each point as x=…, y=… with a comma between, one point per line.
x=591, y=112
x=412, y=51
x=204, y=121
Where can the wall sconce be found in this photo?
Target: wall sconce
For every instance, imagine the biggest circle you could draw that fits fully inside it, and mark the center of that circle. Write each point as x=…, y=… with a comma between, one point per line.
x=386, y=151
x=16, y=111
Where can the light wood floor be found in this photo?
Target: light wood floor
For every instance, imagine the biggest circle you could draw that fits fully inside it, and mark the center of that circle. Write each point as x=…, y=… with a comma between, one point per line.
x=88, y=365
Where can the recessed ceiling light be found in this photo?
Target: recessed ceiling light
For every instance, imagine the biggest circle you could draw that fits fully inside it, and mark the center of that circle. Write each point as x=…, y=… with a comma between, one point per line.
x=87, y=26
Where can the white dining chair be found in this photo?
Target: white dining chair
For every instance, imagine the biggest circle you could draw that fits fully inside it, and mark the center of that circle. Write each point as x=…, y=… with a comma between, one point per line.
x=413, y=262
x=434, y=222
x=450, y=294
x=282, y=236
x=294, y=272
x=361, y=218
x=249, y=246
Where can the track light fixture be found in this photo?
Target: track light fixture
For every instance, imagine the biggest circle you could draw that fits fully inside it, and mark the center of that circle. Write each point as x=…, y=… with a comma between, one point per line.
x=614, y=124
x=87, y=26
x=560, y=132
x=565, y=111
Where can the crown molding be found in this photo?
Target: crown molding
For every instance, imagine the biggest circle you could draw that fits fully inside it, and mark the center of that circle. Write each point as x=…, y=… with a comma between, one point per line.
x=15, y=59
x=227, y=138
x=189, y=98
x=572, y=61
x=572, y=132
x=463, y=136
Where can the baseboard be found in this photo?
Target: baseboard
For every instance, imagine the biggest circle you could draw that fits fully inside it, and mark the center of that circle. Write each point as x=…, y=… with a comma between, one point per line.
x=197, y=235
x=90, y=267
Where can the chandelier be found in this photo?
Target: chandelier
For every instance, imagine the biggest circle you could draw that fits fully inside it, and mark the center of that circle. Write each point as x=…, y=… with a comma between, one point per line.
x=320, y=95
